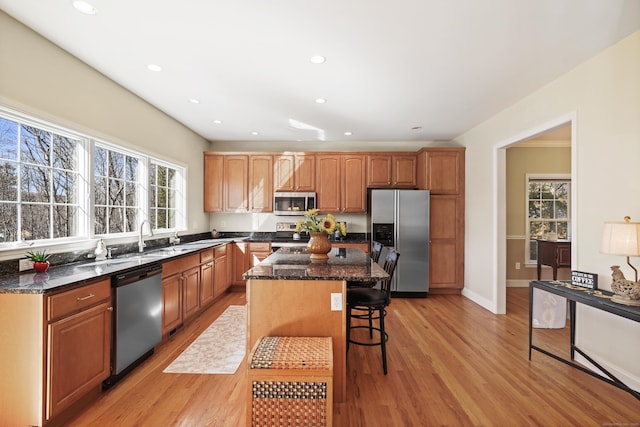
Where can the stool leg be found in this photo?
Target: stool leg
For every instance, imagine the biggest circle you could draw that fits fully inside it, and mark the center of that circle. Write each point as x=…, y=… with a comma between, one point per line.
x=370, y=323
x=383, y=341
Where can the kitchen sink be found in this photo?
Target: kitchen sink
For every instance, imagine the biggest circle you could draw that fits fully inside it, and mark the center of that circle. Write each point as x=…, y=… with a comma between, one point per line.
x=105, y=263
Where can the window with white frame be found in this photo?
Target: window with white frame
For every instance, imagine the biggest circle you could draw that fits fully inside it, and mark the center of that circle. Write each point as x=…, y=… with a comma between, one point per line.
x=44, y=170
x=117, y=190
x=548, y=209
x=165, y=197
x=40, y=181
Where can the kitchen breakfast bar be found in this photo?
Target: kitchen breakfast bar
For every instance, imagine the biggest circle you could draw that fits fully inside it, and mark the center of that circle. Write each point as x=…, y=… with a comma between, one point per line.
x=288, y=294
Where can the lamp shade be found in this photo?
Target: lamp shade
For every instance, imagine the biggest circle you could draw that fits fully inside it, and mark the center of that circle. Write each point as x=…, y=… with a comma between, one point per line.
x=621, y=238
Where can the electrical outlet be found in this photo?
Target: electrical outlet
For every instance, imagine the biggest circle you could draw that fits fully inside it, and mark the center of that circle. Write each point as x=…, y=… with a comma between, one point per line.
x=336, y=302
x=25, y=264
x=517, y=266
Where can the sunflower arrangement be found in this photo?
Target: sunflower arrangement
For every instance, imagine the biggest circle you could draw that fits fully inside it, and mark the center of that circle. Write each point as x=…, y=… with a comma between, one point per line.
x=313, y=223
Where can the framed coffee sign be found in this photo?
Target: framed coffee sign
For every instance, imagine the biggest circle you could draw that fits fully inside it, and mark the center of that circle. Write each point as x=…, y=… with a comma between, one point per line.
x=584, y=280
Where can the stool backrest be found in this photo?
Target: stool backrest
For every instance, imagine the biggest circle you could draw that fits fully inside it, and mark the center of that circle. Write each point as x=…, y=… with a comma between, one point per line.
x=376, y=250
x=390, y=262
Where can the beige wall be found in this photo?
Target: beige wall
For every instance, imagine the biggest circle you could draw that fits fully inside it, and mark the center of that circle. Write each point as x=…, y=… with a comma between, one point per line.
x=602, y=97
x=520, y=161
x=40, y=79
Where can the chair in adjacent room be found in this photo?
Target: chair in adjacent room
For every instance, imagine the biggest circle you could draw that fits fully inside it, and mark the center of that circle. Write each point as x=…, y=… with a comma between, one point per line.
x=370, y=304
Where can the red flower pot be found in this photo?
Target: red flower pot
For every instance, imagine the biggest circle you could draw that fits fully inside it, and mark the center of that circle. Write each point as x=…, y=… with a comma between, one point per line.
x=40, y=267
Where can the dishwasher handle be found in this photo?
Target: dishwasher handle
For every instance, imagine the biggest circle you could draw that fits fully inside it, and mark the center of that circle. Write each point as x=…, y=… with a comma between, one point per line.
x=131, y=276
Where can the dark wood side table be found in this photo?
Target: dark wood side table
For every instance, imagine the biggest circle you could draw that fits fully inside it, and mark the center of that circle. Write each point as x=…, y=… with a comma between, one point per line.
x=601, y=300
x=556, y=254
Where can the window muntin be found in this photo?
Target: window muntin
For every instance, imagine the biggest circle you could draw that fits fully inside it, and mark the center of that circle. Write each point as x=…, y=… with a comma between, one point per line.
x=39, y=182
x=548, y=210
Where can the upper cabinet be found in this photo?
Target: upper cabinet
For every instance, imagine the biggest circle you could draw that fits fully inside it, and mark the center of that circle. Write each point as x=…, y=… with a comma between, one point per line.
x=391, y=170
x=238, y=183
x=294, y=172
x=261, y=183
x=340, y=183
x=441, y=170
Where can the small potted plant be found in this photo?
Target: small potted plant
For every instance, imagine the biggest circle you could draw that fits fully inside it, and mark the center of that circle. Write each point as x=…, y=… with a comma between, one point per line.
x=40, y=260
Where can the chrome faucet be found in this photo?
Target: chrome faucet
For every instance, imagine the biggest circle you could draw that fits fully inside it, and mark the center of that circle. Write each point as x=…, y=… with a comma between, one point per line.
x=141, y=243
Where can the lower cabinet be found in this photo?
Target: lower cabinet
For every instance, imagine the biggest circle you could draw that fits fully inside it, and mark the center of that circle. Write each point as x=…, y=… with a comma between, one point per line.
x=363, y=246
x=245, y=256
x=206, y=278
x=221, y=275
x=191, y=292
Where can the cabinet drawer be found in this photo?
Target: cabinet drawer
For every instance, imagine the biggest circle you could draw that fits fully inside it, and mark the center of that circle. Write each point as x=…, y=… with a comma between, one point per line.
x=206, y=256
x=180, y=264
x=260, y=247
x=65, y=303
x=220, y=251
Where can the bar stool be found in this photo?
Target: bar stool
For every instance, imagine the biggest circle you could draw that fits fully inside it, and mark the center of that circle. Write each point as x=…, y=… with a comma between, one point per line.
x=370, y=304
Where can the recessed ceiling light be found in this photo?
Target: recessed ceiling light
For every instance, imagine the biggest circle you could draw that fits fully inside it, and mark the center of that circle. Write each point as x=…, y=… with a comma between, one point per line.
x=255, y=133
x=348, y=133
x=320, y=101
x=84, y=7
x=194, y=101
x=318, y=59
x=154, y=67
x=218, y=122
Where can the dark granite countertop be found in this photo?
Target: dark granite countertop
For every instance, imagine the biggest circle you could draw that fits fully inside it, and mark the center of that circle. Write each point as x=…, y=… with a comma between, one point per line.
x=60, y=276
x=295, y=264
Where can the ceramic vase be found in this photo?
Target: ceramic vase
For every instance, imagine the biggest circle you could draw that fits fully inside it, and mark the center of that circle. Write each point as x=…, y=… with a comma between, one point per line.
x=40, y=267
x=319, y=245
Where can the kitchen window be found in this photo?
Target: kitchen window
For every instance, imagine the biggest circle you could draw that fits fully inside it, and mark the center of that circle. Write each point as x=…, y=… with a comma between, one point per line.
x=45, y=170
x=548, y=209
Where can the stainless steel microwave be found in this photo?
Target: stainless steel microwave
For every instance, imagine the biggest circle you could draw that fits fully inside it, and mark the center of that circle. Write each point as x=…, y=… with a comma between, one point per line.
x=295, y=203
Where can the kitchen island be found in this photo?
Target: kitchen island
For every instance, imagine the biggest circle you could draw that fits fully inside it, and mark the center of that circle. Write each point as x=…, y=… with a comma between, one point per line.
x=289, y=295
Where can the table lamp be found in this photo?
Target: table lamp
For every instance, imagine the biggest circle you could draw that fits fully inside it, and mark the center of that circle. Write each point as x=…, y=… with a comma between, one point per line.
x=623, y=238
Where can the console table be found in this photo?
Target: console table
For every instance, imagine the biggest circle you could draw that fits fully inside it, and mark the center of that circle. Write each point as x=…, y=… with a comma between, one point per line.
x=556, y=253
x=599, y=299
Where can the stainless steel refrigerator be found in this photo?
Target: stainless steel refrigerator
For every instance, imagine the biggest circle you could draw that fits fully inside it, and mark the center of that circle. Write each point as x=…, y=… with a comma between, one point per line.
x=400, y=219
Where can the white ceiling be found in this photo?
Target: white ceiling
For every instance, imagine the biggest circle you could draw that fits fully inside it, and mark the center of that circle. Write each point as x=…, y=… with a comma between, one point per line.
x=442, y=65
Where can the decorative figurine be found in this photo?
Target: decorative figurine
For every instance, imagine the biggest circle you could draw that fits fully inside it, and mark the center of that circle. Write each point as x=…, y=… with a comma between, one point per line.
x=627, y=292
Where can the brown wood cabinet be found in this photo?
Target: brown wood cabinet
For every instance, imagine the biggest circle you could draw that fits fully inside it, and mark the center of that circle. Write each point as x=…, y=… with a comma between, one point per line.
x=245, y=256
x=79, y=344
x=294, y=172
x=258, y=252
x=391, y=170
x=206, y=278
x=441, y=170
x=221, y=275
x=180, y=291
x=213, y=182
x=236, y=183
x=340, y=183
x=261, y=183
x=363, y=246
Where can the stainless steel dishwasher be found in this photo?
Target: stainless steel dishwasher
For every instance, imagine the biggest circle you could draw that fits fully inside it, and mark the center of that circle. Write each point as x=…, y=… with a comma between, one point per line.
x=137, y=318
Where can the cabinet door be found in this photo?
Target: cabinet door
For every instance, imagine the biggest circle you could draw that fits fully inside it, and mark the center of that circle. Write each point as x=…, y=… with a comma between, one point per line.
x=236, y=177
x=206, y=283
x=191, y=292
x=240, y=262
x=378, y=170
x=404, y=170
x=305, y=173
x=444, y=171
x=261, y=184
x=78, y=356
x=328, y=183
x=353, y=191
x=213, y=183
x=445, y=253
x=283, y=173
x=171, y=303
x=221, y=282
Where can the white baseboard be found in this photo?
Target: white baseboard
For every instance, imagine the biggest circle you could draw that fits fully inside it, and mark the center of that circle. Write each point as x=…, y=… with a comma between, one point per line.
x=483, y=302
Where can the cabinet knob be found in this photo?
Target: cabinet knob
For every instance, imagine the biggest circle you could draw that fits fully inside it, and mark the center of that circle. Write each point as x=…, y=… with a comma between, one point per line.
x=110, y=309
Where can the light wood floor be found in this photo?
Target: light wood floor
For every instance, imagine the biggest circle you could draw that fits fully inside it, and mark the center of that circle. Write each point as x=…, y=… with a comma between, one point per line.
x=451, y=363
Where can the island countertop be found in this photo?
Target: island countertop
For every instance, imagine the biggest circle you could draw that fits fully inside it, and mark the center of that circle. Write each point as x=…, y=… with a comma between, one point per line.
x=350, y=264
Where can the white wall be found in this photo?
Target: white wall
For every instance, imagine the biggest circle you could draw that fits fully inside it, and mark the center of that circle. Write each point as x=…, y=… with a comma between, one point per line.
x=603, y=97
x=44, y=81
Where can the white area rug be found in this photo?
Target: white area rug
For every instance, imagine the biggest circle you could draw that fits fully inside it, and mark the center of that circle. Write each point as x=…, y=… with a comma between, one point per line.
x=219, y=349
